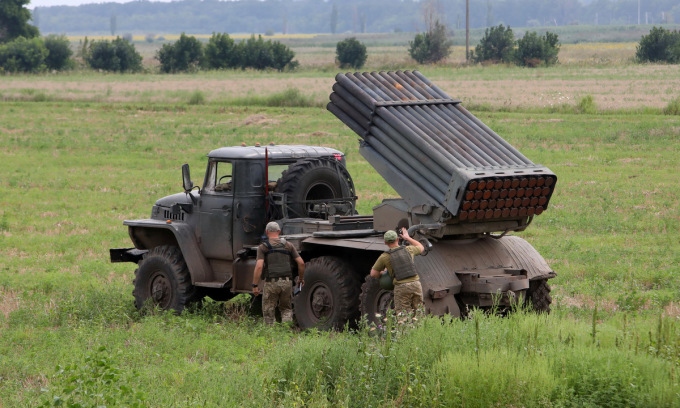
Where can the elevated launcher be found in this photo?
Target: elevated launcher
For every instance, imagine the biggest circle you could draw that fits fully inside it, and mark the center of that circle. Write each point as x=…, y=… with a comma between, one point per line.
x=449, y=167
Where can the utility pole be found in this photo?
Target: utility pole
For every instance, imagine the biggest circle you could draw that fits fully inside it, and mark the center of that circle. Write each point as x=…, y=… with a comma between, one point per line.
x=638, y=12
x=467, y=30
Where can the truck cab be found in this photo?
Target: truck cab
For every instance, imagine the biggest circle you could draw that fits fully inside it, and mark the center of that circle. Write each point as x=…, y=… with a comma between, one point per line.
x=215, y=228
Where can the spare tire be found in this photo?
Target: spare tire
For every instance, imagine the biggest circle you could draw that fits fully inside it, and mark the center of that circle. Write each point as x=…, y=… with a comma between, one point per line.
x=310, y=184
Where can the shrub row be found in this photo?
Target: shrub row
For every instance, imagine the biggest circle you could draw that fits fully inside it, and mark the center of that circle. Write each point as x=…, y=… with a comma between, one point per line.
x=221, y=52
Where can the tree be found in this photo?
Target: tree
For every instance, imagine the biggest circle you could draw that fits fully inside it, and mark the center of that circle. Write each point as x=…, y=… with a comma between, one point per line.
x=221, y=52
x=350, y=53
x=184, y=55
x=59, y=52
x=496, y=45
x=14, y=19
x=533, y=51
x=432, y=46
x=118, y=55
x=660, y=45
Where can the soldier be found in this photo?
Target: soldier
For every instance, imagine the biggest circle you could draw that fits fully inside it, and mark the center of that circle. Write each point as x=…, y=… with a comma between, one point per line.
x=398, y=262
x=274, y=256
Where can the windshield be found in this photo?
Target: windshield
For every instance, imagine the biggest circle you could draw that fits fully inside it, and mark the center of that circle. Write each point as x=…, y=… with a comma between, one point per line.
x=219, y=178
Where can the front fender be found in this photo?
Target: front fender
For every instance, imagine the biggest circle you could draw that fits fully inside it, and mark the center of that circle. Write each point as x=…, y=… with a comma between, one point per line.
x=147, y=234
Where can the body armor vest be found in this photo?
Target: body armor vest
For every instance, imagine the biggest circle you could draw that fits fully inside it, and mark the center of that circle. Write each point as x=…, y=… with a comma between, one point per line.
x=403, y=266
x=277, y=261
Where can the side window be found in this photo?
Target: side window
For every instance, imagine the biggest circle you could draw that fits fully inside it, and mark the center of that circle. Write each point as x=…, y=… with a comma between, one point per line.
x=219, y=179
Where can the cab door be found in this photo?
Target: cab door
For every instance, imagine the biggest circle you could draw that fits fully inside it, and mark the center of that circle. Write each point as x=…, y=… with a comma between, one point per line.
x=216, y=207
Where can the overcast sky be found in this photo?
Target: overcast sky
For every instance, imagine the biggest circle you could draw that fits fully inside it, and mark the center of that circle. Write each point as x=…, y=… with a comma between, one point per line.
x=48, y=3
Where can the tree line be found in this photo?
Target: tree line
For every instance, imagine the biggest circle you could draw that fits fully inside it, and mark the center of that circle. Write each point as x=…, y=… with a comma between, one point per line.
x=22, y=49
x=335, y=16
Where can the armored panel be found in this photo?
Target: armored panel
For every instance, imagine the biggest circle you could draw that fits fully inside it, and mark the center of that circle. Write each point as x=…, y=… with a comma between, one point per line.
x=436, y=154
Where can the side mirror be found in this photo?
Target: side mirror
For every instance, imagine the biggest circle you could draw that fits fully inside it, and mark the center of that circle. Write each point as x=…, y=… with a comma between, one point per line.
x=186, y=178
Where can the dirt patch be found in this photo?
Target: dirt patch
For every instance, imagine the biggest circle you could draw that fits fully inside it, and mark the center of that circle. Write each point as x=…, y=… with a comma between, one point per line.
x=260, y=120
x=9, y=302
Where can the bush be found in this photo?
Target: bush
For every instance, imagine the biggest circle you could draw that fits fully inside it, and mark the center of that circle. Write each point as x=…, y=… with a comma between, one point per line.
x=184, y=55
x=260, y=54
x=350, y=53
x=533, y=51
x=497, y=45
x=23, y=55
x=59, y=52
x=221, y=52
x=660, y=45
x=118, y=55
x=432, y=46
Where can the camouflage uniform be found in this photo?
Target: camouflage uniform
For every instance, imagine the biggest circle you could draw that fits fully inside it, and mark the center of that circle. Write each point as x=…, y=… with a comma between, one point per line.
x=277, y=291
x=408, y=293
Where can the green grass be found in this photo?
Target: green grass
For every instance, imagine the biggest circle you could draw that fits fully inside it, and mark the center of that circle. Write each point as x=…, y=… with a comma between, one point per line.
x=72, y=171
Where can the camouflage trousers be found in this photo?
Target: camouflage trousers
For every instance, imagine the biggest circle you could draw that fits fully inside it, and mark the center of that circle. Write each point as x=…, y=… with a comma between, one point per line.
x=277, y=293
x=408, y=297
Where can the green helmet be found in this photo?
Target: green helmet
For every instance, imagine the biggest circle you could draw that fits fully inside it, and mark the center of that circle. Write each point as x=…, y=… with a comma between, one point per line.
x=386, y=282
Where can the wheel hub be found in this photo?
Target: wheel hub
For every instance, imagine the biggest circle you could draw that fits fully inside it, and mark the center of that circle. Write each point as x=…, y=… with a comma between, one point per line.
x=321, y=302
x=160, y=290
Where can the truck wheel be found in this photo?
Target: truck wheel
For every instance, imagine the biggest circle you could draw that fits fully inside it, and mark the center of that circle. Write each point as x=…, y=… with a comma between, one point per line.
x=374, y=300
x=330, y=297
x=538, y=296
x=315, y=179
x=163, y=280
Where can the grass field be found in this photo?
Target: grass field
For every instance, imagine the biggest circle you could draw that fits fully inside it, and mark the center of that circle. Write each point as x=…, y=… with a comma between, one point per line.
x=83, y=151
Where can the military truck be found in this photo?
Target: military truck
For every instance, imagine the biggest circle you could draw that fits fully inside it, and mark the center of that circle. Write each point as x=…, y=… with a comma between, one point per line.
x=463, y=190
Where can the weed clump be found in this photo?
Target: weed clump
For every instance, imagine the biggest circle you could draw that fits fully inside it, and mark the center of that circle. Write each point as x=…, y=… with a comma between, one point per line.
x=673, y=107
x=197, y=98
x=586, y=105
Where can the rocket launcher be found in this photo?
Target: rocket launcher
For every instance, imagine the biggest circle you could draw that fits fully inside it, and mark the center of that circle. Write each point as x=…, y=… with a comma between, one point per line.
x=448, y=166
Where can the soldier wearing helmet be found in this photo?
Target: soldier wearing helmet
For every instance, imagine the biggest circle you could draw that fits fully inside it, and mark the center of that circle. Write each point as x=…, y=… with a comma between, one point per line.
x=274, y=258
x=398, y=262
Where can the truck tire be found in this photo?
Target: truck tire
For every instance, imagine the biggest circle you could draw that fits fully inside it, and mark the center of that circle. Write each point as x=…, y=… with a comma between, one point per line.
x=314, y=179
x=163, y=280
x=374, y=300
x=330, y=297
x=538, y=296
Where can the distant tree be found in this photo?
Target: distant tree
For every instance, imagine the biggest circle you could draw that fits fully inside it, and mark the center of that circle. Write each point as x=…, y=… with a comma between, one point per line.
x=350, y=53
x=496, y=45
x=184, y=55
x=23, y=55
x=432, y=46
x=118, y=55
x=533, y=51
x=35, y=17
x=14, y=19
x=334, y=19
x=660, y=45
x=113, y=24
x=221, y=52
x=59, y=52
